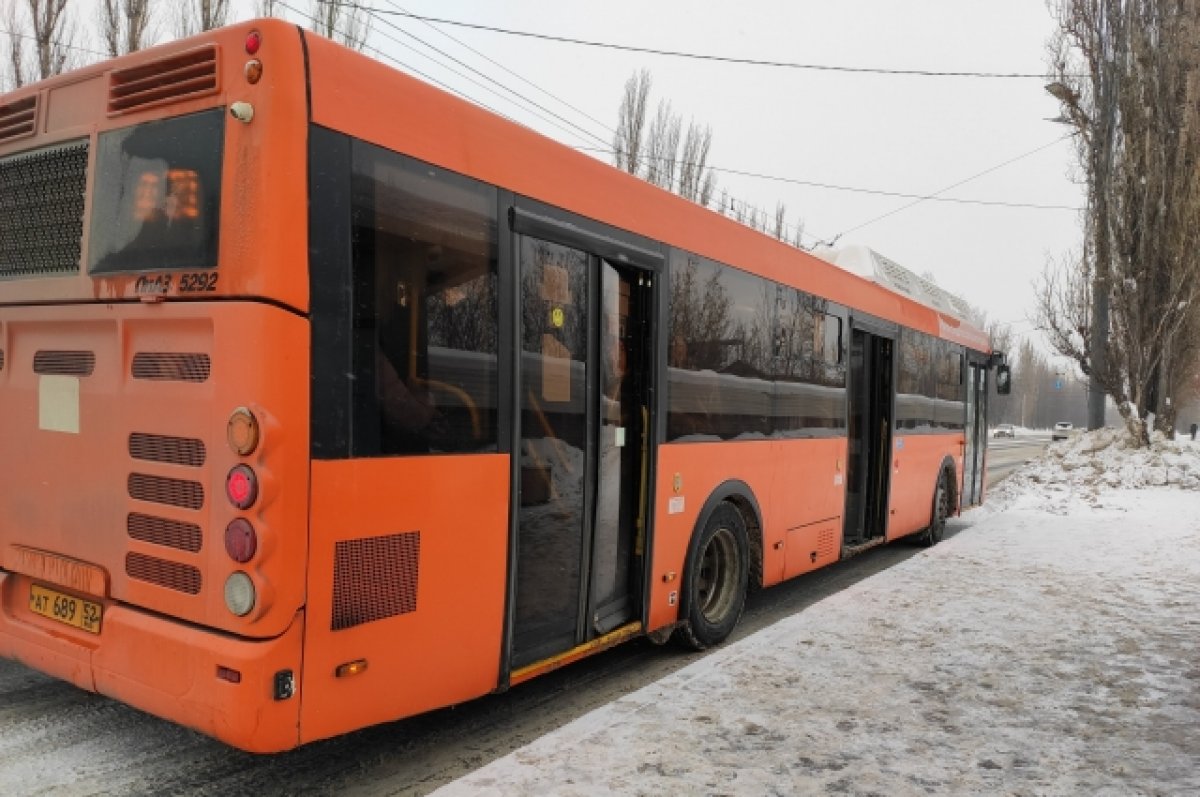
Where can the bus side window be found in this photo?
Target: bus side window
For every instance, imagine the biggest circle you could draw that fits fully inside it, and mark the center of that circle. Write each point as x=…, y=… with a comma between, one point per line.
x=425, y=256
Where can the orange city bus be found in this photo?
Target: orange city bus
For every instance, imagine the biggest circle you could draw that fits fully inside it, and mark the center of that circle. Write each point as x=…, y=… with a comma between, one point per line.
x=329, y=398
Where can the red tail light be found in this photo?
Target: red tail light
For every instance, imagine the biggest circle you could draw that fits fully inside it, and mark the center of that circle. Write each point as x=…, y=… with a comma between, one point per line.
x=241, y=541
x=241, y=486
x=253, y=42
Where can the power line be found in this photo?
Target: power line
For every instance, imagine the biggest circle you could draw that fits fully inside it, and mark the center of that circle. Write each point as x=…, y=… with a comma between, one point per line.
x=934, y=196
x=708, y=57
x=64, y=45
x=410, y=68
x=788, y=228
x=872, y=191
x=496, y=63
x=376, y=12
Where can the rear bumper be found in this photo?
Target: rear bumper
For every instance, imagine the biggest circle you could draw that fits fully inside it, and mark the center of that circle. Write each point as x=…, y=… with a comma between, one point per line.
x=164, y=667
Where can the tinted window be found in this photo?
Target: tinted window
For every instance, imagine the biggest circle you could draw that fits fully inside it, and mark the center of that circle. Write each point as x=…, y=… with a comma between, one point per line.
x=929, y=390
x=424, y=256
x=951, y=407
x=810, y=372
x=157, y=195
x=720, y=355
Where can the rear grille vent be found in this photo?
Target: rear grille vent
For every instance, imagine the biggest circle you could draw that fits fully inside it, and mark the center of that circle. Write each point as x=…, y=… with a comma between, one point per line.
x=181, y=77
x=64, y=363
x=374, y=578
x=172, y=450
x=164, y=573
x=1, y=359
x=171, y=367
x=17, y=118
x=41, y=211
x=161, y=490
x=161, y=531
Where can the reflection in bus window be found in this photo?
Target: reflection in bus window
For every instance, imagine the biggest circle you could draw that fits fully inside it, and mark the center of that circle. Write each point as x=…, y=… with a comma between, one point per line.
x=748, y=358
x=424, y=260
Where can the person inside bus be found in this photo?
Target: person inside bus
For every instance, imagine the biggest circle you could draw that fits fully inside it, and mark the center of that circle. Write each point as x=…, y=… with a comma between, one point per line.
x=408, y=416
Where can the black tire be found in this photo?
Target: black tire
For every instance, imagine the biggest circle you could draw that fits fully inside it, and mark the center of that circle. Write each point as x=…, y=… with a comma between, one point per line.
x=714, y=580
x=941, y=510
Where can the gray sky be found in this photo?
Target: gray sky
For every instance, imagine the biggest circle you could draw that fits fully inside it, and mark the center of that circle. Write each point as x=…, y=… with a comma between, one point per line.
x=895, y=133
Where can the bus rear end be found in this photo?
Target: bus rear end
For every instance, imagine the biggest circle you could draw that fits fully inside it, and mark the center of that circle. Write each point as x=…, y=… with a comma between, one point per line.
x=154, y=360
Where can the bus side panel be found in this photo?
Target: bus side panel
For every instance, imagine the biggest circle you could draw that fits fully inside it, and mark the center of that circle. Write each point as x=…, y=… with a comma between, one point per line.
x=915, y=463
x=794, y=482
x=809, y=498
x=408, y=560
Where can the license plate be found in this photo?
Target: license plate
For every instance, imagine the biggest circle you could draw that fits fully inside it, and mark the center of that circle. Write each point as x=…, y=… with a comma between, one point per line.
x=66, y=609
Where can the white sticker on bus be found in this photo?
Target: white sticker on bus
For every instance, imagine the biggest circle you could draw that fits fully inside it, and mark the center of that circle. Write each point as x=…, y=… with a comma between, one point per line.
x=58, y=404
x=675, y=505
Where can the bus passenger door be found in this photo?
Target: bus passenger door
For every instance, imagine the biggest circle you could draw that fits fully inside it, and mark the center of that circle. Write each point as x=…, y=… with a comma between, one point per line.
x=582, y=448
x=976, y=434
x=869, y=457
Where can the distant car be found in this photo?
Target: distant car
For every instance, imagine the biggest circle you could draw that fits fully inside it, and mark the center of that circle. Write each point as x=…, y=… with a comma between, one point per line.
x=1005, y=430
x=1062, y=430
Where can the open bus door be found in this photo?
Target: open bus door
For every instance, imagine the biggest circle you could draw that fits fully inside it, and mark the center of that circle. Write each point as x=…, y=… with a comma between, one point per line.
x=583, y=442
x=976, y=432
x=871, y=404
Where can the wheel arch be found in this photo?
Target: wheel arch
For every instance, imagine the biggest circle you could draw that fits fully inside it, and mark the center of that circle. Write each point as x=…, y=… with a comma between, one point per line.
x=948, y=470
x=739, y=494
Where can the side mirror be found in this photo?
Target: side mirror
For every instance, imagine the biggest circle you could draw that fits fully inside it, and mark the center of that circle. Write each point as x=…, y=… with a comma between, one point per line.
x=1003, y=380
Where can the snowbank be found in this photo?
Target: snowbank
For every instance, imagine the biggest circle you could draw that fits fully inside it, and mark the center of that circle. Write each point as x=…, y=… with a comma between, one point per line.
x=1048, y=647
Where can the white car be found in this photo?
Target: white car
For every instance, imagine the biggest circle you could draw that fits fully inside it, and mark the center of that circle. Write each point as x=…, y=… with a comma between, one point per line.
x=1062, y=430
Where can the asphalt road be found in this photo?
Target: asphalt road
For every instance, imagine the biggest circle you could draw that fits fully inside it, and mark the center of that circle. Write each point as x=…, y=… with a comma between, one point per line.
x=57, y=739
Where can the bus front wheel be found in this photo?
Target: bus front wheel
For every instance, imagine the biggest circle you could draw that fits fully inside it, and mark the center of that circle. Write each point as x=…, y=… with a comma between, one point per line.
x=715, y=578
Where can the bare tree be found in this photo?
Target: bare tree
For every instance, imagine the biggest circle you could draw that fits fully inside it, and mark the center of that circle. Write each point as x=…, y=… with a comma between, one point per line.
x=798, y=239
x=265, y=8
x=196, y=16
x=1126, y=309
x=780, y=230
x=662, y=147
x=631, y=122
x=125, y=25
x=348, y=23
x=17, y=75
x=50, y=31
x=696, y=179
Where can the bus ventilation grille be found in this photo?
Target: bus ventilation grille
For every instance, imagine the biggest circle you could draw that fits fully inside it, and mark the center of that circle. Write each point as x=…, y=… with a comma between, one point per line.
x=171, y=450
x=161, y=490
x=164, y=532
x=164, y=573
x=41, y=217
x=17, y=118
x=170, y=367
x=374, y=578
x=181, y=77
x=1, y=359
x=64, y=363
x=825, y=543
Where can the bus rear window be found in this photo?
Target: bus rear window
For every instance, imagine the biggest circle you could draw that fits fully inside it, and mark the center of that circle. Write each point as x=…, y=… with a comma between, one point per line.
x=157, y=195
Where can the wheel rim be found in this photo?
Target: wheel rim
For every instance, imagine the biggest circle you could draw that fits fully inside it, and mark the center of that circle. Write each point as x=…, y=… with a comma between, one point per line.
x=717, y=583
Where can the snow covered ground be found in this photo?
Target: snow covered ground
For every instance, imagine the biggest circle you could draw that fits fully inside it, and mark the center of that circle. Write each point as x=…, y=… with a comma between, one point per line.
x=1048, y=647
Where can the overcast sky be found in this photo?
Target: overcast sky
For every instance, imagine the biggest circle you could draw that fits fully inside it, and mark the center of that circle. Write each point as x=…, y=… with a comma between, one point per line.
x=893, y=133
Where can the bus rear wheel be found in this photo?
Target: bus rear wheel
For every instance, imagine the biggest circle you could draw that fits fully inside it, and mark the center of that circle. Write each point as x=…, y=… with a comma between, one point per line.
x=715, y=579
x=941, y=510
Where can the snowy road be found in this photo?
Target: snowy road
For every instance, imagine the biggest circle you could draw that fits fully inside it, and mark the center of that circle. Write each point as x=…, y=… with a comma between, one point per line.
x=1049, y=646
x=55, y=739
